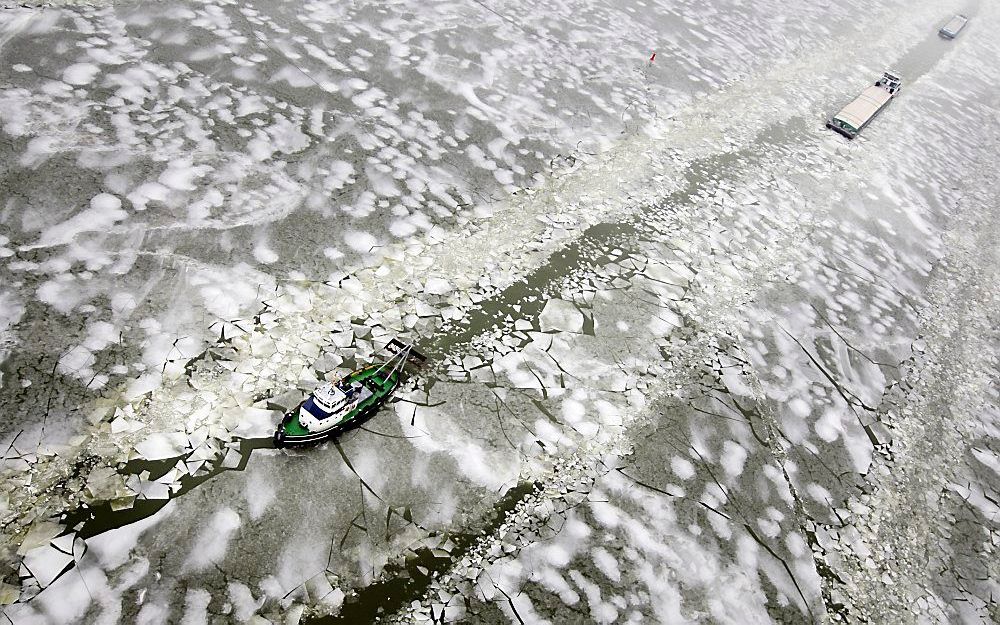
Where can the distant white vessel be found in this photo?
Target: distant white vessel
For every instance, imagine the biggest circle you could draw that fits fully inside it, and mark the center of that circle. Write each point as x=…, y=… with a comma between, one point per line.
x=855, y=116
x=954, y=26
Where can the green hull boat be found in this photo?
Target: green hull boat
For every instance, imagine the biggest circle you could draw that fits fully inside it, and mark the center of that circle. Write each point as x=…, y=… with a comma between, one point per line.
x=337, y=406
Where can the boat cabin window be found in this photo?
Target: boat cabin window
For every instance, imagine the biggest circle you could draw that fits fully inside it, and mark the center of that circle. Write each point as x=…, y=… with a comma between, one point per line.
x=329, y=397
x=889, y=82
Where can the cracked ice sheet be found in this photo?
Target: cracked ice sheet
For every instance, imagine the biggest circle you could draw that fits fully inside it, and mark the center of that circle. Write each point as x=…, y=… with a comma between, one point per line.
x=176, y=354
x=863, y=378
x=547, y=398
x=436, y=479
x=167, y=414
x=874, y=291
x=617, y=330
x=577, y=369
x=246, y=156
x=227, y=191
x=630, y=553
x=698, y=524
x=92, y=587
x=851, y=361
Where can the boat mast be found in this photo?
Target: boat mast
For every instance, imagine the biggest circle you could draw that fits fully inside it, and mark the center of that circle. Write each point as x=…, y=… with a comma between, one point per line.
x=401, y=355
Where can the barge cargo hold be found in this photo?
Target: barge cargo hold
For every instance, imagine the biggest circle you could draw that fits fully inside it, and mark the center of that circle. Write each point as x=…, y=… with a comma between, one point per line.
x=954, y=26
x=855, y=116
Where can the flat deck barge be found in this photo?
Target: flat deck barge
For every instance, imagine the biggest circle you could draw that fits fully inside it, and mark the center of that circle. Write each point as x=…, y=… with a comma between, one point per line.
x=853, y=118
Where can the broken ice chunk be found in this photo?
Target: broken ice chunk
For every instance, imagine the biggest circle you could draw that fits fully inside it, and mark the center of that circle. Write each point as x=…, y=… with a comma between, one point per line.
x=45, y=563
x=125, y=425
x=148, y=489
x=122, y=503
x=232, y=459
x=423, y=309
x=437, y=286
x=256, y=423
x=342, y=339
x=103, y=483
x=286, y=401
x=40, y=534
x=561, y=316
x=8, y=594
x=161, y=445
x=328, y=362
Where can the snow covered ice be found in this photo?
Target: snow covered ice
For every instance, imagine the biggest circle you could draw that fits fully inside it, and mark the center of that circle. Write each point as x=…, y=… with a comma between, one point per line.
x=691, y=357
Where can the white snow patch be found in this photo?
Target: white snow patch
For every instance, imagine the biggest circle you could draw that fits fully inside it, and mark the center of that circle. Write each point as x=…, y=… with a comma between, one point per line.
x=607, y=564
x=259, y=493
x=103, y=213
x=11, y=309
x=196, y=607
x=264, y=254
x=106, y=202
x=799, y=407
x=100, y=334
x=243, y=602
x=682, y=467
x=360, y=241
x=81, y=73
x=733, y=457
x=829, y=426
x=181, y=174
x=573, y=411
x=213, y=542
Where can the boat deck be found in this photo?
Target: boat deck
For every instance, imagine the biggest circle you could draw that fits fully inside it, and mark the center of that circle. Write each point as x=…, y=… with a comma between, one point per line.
x=372, y=378
x=864, y=107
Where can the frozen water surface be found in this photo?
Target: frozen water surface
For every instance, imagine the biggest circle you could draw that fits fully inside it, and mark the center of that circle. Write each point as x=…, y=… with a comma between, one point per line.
x=691, y=357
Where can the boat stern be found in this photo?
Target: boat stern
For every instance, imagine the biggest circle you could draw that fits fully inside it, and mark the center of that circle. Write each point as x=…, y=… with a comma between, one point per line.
x=843, y=129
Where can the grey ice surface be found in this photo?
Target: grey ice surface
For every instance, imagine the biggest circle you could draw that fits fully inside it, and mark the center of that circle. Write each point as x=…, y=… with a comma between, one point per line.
x=692, y=358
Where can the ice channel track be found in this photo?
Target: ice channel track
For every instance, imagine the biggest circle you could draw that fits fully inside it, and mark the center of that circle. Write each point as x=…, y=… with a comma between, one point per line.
x=960, y=372
x=605, y=238
x=718, y=295
x=572, y=478
x=615, y=253
x=630, y=166
x=522, y=521
x=581, y=267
